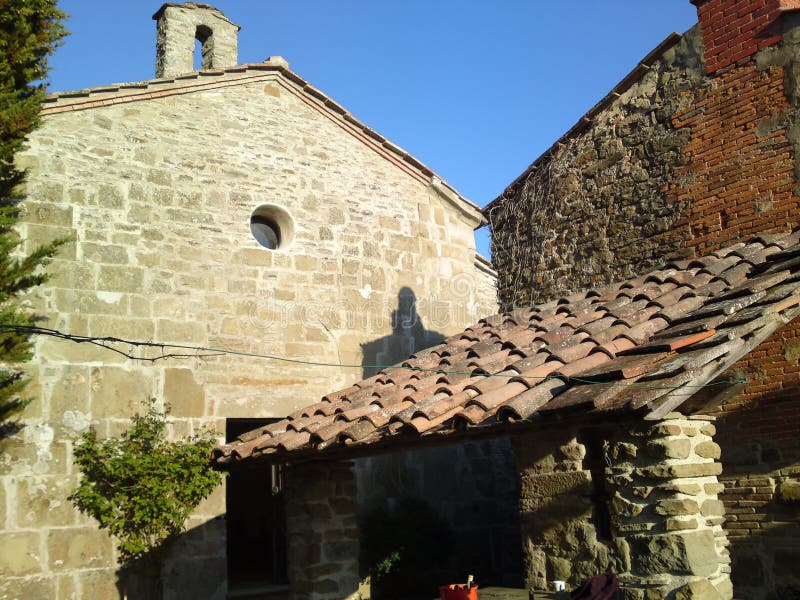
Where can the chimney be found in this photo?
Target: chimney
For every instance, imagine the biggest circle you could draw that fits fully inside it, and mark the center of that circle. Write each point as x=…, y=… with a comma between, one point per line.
x=180, y=24
x=736, y=29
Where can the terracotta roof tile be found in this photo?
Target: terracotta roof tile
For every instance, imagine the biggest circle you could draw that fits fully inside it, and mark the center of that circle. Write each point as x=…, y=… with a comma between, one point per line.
x=646, y=344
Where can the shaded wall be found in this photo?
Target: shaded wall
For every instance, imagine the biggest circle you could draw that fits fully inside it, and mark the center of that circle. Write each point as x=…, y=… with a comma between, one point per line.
x=472, y=488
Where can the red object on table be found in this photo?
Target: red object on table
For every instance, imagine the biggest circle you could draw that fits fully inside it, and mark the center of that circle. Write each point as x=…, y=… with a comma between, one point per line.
x=458, y=591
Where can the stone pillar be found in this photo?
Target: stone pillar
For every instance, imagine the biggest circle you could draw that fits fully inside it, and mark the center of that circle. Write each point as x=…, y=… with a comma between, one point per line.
x=322, y=532
x=179, y=25
x=639, y=499
x=667, y=519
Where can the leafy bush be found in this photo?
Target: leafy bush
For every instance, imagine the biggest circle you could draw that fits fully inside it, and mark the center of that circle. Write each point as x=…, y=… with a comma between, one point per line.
x=140, y=486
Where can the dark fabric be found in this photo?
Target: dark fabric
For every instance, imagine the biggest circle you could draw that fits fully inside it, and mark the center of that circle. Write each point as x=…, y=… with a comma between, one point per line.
x=599, y=587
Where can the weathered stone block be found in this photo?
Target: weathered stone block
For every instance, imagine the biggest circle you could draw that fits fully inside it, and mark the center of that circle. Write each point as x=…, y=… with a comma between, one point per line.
x=712, y=508
x=623, y=451
x=118, y=392
x=676, y=507
x=29, y=587
x=675, y=524
x=120, y=279
x=665, y=429
x=20, y=554
x=680, y=471
x=184, y=395
x=707, y=450
x=549, y=485
x=559, y=568
x=709, y=429
x=699, y=589
x=670, y=448
x=101, y=583
x=623, y=507
x=42, y=501
x=690, y=489
x=689, y=553
x=78, y=548
x=573, y=451
x=180, y=332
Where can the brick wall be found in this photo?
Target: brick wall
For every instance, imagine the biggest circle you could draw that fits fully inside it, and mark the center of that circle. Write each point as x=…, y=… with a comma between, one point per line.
x=736, y=30
x=742, y=160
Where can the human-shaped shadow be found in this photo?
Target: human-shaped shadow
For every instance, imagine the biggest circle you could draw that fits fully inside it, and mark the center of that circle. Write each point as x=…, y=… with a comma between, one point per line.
x=408, y=336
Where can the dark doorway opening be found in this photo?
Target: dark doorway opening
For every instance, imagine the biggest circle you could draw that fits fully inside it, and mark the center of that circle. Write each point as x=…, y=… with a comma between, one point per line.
x=256, y=521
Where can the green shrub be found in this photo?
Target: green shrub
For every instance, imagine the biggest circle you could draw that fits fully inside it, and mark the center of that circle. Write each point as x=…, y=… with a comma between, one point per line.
x=140, y=486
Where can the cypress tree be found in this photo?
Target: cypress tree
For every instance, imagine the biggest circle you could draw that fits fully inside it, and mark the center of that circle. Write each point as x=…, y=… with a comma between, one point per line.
x=30, y=30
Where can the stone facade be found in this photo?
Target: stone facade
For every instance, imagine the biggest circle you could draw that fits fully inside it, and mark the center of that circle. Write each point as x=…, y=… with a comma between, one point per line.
x=639, y=499
x=156, y=183
x=696, y=149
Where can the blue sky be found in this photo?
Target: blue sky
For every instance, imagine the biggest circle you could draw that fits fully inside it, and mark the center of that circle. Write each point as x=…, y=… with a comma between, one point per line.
x=476, y=90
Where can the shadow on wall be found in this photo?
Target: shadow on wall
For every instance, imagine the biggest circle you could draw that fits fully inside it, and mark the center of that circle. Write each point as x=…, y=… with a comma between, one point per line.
x=408, y=336
x=190, y=566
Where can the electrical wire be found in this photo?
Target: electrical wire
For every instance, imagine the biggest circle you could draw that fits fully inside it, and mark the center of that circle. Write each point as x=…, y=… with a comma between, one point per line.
x=208, y=352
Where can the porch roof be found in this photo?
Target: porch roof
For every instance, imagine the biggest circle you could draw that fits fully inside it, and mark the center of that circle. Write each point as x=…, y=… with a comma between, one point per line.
x=644, y=346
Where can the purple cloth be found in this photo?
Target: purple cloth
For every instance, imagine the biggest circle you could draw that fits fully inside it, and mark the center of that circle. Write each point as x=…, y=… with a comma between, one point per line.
x=599, y=587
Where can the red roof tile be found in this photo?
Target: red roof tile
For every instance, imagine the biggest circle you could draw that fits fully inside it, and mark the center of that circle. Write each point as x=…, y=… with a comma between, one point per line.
x=646, y=344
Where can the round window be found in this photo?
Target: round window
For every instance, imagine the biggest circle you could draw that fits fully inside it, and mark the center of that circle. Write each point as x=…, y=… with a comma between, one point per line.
x=271, y=226
x=266, y=232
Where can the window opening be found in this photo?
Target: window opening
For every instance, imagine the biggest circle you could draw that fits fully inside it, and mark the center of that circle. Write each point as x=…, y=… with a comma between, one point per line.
x=266, y=231
x=256, y=521
x=204, y=47
x=272, y=227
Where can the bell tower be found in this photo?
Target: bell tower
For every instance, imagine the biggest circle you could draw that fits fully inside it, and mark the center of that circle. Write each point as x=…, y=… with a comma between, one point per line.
x=180, y=24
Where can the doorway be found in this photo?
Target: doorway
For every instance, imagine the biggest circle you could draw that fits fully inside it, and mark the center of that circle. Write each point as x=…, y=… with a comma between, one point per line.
x=256, y=524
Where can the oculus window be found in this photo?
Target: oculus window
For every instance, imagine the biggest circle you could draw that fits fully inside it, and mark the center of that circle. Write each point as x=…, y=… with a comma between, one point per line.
x=272, y=227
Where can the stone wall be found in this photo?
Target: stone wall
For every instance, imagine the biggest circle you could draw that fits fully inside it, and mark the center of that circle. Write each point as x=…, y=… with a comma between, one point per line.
x=679, y=163
x=158, y=193
x=602, y=204
x=639, y=499
x=322, y=531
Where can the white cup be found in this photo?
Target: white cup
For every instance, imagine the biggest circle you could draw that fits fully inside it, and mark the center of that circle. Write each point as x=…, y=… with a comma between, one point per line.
x=560, y=586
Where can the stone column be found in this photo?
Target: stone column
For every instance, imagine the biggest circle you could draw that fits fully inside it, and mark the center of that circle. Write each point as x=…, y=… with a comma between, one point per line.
x=637, y=498
x=665, y=512
x=322, y=532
